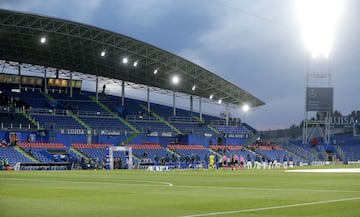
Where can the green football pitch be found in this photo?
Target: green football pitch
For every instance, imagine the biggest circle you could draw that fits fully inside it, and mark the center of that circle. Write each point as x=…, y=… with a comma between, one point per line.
x=178, y=193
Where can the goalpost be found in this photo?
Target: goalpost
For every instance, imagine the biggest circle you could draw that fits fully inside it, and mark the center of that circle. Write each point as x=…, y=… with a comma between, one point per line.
x=128, y=150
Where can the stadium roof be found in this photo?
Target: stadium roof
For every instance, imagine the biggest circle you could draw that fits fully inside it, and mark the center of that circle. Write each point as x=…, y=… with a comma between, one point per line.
x=82, y=48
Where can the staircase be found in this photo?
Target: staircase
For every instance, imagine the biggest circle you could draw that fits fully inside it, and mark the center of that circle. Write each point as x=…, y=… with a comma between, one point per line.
x=162, y=120
x=136, y=131
x=21, y=151
x=79, y=120
x=208, y=125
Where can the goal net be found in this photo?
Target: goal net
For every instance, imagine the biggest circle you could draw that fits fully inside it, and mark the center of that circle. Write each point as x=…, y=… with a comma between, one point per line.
x=124, y=149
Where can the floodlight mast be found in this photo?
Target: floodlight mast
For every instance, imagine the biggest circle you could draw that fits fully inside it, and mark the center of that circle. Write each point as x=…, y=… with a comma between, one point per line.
x=318, y=19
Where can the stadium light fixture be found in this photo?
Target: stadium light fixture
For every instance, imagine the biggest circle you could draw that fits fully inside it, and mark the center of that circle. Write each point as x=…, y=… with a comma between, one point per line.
x=102, y=53
x=245, y=107
x=175, y=79
x=43, y=40
x=318, y=20
x=125, y=60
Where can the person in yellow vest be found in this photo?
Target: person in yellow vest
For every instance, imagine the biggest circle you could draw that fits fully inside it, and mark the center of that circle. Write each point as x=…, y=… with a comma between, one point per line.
x=211, y=161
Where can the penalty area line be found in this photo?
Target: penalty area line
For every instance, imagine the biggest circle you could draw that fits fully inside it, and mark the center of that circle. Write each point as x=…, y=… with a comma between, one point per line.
x=273, y=207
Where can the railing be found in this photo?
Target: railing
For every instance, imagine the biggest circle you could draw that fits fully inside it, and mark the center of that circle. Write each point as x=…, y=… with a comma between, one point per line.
x=223, y=123
x=65, y=112
x=93, y=113
x=140, y=118
x=340, y=152
x=183, y=119
x=47, y=111
x=16, y=126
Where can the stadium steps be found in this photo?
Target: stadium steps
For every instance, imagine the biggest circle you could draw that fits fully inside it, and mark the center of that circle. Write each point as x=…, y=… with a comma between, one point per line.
x=21, y=151
x=172, y=152
x=208, y=125
x=79, y=120
x=69, y=113
x=136, y=131
x=293, y=153
x=27, y=116
x=79, y=153
x=214, y=152
x=47, y=96
x=130, y=138
x=115, y=115
x=251, y=140
x=161, y=119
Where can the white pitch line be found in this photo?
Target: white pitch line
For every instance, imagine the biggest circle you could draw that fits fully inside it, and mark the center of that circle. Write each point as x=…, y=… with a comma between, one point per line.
x=157, y=183
x=337, y=170
x=268, y=189
x=272, y=207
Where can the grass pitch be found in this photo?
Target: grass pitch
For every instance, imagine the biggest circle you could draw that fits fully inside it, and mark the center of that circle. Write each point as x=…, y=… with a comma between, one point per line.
x=229, y=193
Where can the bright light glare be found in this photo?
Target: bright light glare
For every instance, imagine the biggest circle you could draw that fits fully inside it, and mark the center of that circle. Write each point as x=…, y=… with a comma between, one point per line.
x=245, y=108
x=175, y=79
x=42, y=40
x=102, y=53
x=125, y=60
x=318, y=20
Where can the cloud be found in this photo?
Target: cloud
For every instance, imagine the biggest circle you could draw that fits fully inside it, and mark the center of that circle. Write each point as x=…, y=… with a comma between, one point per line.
x=259, y=54
x=80, y=10
x=150, y=12
x=146, y=13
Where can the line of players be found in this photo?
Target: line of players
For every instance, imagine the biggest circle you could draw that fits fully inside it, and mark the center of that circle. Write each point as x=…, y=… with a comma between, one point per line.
x=235, y=162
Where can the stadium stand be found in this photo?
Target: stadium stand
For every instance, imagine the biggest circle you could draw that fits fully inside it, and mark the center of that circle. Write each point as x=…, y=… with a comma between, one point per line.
x=54, y=121
x=52, y=111
x=53, y=115
x=12, y=155
x=11, y=118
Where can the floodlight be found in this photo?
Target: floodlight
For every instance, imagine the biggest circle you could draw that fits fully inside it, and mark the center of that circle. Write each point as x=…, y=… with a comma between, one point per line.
x=318, y=20
x=155, y=71
x=102, y=53
x=175, y=79
x=219, y=101
x=135, y=63
x=245, y=107
x=125, y=60
x=193, y=88
x=211, y=96
x=42, y=40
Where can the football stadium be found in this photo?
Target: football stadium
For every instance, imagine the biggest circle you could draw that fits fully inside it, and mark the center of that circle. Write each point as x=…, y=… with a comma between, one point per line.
x=67, y=150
